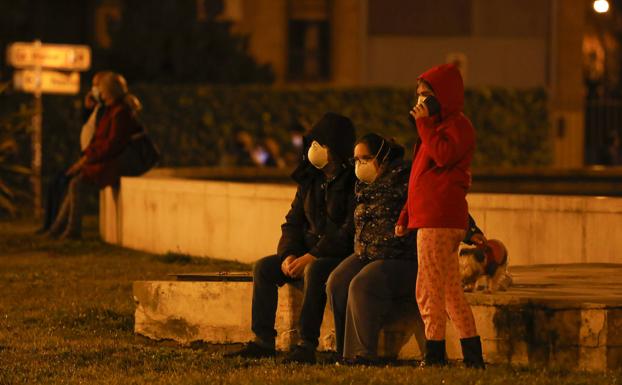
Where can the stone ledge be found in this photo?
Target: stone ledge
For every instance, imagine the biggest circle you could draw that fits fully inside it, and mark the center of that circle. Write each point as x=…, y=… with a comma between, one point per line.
x=517, y=327
x=151, y=214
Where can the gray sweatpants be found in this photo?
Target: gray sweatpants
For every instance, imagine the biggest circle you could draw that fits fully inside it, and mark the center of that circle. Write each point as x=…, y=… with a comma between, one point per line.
x=363, y=295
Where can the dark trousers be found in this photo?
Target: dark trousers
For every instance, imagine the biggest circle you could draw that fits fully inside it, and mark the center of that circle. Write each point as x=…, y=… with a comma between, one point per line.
x=268, y=277
x=68, y=221
x=362, y=293
x=55, y=193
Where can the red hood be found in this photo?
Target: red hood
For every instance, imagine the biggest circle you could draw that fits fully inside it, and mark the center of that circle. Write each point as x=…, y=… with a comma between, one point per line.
x=447, y=84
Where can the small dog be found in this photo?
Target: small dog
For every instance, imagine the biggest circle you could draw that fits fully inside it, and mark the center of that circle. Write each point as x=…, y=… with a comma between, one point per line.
x=487, y=262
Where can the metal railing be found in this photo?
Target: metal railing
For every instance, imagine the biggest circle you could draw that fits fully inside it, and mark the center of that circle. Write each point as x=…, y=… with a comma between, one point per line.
x=603, y=131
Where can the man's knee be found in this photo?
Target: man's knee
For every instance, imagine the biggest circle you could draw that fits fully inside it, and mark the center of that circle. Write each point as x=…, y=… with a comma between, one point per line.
x=266, y=267
x=318, y=270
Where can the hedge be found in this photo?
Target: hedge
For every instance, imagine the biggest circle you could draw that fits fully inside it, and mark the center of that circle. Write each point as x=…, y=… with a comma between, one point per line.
x=191, y=124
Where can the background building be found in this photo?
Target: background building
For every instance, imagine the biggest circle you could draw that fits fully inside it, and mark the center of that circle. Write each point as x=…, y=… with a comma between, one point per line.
x=507, y=43
x=562, y=46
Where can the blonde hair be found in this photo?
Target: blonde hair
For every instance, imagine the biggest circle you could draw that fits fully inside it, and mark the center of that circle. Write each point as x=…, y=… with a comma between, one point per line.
x=116, y=85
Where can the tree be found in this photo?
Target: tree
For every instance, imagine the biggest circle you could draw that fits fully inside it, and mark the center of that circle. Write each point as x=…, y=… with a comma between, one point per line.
x=163, y=41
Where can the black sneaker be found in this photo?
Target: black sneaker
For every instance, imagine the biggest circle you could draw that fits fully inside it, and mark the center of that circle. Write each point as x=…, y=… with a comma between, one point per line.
x=252, y=350
x=363, y=361
x=300, y=355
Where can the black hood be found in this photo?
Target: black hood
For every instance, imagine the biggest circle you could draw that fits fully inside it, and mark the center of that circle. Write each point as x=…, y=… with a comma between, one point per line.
x=337, y=132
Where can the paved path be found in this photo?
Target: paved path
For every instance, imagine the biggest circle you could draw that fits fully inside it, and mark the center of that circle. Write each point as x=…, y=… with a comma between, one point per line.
x=573, y=284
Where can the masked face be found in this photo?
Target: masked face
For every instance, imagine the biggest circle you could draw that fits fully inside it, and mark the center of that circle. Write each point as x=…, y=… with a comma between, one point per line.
x=318, y=155
x=431, y=102
x=365, y=165
x=96, y=94
x=366, y=172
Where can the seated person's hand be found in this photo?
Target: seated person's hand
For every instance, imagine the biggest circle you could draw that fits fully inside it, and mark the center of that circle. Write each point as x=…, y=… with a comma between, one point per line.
x=297, y=267
x=286, y=263
x=400, y=230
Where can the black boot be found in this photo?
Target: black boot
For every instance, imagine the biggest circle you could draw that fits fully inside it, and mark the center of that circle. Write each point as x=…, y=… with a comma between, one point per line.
x=434, y=354
x=472, y=352
x=300, y=355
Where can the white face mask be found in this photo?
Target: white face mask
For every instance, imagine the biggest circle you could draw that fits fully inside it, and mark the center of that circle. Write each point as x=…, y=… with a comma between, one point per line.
x=96, y=94
x=366, y=172
x=318, y=155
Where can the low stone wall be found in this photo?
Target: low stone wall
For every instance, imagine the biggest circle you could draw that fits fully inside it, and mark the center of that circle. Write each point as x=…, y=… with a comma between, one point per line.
x=241, y=221
x=558, y=323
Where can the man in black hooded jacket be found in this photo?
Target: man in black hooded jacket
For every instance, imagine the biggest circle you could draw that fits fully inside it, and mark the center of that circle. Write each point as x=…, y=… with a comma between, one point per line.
x=316, y=236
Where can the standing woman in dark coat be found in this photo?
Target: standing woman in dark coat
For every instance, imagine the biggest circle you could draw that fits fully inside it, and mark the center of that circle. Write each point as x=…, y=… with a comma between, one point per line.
x=100, y=163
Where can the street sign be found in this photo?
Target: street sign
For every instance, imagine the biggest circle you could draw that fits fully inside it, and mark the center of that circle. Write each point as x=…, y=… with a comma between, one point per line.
x=33, y=61
x=57, y=56
x=49, y=81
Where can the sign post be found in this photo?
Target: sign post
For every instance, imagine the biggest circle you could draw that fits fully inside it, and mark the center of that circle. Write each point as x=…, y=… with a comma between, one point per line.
x=31, y=59
x=37, y=139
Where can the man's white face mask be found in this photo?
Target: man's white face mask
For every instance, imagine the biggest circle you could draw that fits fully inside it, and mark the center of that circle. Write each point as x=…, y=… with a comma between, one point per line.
x=318, y=155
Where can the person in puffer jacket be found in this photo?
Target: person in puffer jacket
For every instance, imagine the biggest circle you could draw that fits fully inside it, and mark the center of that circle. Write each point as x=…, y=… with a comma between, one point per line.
x=380, y=273
x=437, y=208
x=376, y=283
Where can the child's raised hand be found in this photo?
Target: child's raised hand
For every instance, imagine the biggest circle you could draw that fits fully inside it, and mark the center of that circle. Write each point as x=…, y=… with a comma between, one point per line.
x=420, y=111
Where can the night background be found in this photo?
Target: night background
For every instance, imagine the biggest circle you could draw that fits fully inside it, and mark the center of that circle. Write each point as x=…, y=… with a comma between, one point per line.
x=542, y=80
x=227, y=89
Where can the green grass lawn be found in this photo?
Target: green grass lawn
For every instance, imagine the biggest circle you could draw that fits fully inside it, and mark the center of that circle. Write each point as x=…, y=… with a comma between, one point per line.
x=66, y=316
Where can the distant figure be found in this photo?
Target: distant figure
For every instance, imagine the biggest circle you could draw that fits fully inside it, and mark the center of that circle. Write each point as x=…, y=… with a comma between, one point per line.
x=100, y=165
x=240, y=149
x=610, y=153
x=294, y=150
x=273, y=152
x=94, y=109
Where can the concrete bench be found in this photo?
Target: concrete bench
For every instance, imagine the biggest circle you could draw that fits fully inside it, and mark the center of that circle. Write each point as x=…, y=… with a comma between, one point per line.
x=202, y=307
x=562, y=315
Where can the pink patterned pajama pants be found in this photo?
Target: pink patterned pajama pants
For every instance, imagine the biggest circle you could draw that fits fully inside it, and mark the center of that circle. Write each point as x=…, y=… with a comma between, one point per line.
x=439, y=288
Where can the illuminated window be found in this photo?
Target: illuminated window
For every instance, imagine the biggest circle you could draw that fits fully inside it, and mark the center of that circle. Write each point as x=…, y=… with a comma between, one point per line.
x=309, y=40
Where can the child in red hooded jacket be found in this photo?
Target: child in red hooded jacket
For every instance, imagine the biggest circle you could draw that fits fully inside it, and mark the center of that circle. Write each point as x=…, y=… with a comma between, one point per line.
x=437, y=209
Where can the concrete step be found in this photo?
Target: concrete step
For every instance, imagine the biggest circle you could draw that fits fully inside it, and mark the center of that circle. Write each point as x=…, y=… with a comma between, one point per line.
x=560, y=315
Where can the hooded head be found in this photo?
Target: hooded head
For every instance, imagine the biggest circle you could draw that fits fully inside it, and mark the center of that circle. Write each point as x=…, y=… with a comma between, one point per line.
x=337, y=133
x=447, y=84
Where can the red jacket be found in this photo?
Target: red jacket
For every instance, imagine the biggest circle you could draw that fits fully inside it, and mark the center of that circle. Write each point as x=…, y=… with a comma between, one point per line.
x=441, y=170
x=113, y=133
